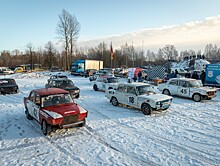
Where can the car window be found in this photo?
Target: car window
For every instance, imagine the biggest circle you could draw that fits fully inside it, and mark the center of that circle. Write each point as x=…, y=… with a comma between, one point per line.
x=173, y=82
x=131, y=90
x=32, y=97
x=122, y=88
x=183, y=83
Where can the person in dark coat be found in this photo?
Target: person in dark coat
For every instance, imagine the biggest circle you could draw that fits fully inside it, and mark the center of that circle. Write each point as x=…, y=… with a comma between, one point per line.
x=135, y=78
x=202, y=76
x=172, y=75
x=176, y=73
x=139, y=76
x=187, y=75
x=195, y=75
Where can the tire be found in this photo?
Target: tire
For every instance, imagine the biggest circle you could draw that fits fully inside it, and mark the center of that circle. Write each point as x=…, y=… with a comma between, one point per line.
x=197, y=97
x=82, y=124
x=28, y=116
x=114, y=101
x=166, y=92
x=95, y=87
x=46, y=128
x=146, y=109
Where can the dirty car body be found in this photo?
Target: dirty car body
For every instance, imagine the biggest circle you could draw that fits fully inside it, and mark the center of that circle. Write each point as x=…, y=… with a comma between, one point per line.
x=54, y=108
x=65, y=84
x=8, y=86
x=138, y=95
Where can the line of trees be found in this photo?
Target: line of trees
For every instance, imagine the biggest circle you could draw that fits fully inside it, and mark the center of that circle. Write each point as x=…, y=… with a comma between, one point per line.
x=124, y=56
x=68, y=29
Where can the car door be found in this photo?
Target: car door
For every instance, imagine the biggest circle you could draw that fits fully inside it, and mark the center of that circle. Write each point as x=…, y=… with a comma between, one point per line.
x=33, y=105
x=172, y=86
x=120, y=93
x=131, y=96
x=183, y=88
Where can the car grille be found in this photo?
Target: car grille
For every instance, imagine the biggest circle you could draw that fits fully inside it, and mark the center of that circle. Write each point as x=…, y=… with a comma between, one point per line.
x=70, y=119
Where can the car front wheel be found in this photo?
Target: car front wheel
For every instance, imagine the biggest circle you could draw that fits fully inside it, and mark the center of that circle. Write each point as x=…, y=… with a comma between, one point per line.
x=28, y=116
x=197, y=97
x=166, y=92
x=46, y=128
x=114, y=101
x=95, y=87
x=146, y=109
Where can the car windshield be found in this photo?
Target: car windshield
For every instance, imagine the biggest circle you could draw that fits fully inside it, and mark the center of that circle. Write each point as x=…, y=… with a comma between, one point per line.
x=7, y=82
x=112, y=80
x=62, y=83
x=194, y=83
x=145, y=89
x=56, y=99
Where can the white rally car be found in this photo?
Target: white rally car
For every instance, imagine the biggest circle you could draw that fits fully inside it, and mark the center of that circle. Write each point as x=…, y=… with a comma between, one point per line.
x=138, y=95
x=187, y=87
x=105, y=82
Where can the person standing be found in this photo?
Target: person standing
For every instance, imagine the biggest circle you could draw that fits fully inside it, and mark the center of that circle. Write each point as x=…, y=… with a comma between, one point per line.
x=202, y=76
x=139, y=76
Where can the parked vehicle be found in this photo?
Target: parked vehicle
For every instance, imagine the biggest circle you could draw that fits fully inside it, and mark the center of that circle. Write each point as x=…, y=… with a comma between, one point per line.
x=138, y=95
x=58, y=76
x=55, y=69
x=103, y=83
x=65, y=84
x=8, y=85
x=80, y=66
x=89, y=72
x=54, y=108
x=187, y=87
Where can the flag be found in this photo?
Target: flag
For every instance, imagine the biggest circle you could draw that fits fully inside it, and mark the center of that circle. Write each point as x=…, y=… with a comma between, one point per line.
x=112, y=53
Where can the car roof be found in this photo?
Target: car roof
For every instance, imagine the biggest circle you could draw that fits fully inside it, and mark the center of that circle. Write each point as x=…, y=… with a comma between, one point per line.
x=183, y=78
x=50, y=91
x=6, y=79
x=135, y=84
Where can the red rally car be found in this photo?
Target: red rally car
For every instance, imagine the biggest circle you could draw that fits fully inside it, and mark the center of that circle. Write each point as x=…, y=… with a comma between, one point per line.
x=54, y=108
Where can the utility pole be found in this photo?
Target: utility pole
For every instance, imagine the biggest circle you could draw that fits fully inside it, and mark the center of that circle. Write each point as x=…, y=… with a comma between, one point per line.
x=133, y=53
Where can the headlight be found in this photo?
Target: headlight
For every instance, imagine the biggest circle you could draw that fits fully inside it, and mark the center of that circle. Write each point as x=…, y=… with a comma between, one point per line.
x=77, y=91
x=158, y=103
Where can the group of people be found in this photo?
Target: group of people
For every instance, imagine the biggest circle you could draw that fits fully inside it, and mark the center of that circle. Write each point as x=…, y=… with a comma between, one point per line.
x=135, y=77
x=196, y=76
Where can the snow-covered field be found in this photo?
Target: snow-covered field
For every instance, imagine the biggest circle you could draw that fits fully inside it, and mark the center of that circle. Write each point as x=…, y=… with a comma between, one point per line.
x=187, y=134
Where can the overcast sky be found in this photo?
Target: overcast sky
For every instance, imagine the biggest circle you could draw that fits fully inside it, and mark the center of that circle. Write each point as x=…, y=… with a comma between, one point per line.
x=188, y=24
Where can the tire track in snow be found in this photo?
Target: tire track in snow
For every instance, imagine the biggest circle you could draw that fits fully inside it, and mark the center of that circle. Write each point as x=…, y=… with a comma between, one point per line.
x=162, y=141
x=56, y=146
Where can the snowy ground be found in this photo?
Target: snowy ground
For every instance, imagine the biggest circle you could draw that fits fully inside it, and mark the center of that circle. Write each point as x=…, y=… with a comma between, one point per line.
x=187, y=134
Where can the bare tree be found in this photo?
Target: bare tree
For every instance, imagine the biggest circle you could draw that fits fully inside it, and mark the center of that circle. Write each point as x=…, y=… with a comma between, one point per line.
x=30, y=51
x=50, y=51
x=68, y=29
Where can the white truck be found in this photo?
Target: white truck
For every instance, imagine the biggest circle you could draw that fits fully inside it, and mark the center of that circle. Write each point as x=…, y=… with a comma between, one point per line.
x=80, y=66
x=138, y=95
x=187, y=87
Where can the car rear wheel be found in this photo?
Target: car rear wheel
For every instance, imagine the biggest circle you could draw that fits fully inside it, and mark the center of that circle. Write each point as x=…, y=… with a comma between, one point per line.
x=95, y=87
x=166, y=92
x=197, y=97
x=46, y=128
x=114, y=101
x=146, y=109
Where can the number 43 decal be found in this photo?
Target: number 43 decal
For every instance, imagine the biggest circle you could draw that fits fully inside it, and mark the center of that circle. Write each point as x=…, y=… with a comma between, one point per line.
x=183, y=91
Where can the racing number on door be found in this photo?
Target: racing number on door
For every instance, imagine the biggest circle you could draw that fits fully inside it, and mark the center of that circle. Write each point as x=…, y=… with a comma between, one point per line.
x=184, y=91
x=131, y=100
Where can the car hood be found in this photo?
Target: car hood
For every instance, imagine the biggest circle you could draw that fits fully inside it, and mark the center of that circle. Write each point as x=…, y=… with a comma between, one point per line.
x=70, y=88
x=156, y=97
x=64, y=109
x=205, y=89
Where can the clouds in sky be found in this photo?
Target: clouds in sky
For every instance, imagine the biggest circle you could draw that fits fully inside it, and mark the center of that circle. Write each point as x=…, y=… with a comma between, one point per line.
x=192, y=35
